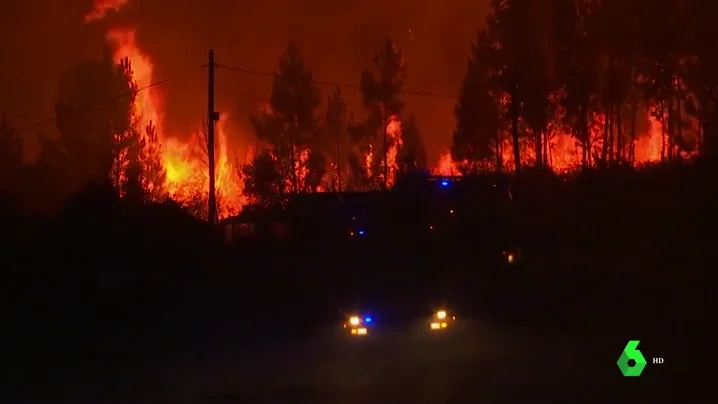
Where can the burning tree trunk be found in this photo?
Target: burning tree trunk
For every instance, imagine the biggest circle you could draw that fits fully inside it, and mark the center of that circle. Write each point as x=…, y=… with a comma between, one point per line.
x=385, y=149
x=499, y=152
x=339, y=165
x=671, y=127
x=619, y=136
x=679, y=118
x=611, y=136
x=515, y=126
x=538, y=148
x=662, y=120
x=632, y=146
x=546, y=148
x=605, y=145
x=293, y=158
x=584, y=136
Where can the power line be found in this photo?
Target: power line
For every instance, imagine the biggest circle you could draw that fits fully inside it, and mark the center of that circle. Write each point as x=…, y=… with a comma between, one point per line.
x=230, y=68
x=91, y=106
x=336, y=84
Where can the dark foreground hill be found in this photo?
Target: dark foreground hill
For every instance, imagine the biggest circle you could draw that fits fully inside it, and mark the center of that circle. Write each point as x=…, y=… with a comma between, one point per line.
x=107, y=279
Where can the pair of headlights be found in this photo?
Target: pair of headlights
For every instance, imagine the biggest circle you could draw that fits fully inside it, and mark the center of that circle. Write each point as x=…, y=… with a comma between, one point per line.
x=442, y=318
x=356, y=320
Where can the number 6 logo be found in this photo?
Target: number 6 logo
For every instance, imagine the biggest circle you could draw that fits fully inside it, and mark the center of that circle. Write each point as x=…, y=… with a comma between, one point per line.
x=631, y=353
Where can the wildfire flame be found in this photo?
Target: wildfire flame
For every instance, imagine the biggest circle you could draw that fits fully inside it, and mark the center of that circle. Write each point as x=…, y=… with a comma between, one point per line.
x=185, y=163
x=394, y=144
x=394, y=140
x=564, y=153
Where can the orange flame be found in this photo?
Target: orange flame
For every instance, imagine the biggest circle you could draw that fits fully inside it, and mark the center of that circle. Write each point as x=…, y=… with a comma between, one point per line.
x=564, y=154
x=446, y=165
x=395, y=141
x=185, y=163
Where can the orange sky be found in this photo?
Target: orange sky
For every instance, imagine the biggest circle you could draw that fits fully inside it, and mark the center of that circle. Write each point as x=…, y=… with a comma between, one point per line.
x=43, y=38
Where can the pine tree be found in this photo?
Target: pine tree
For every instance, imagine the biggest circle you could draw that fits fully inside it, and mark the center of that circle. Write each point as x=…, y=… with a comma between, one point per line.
x=575, y=61
x=380, y=88
x=263, y=182
x=413, y=153
x=154, y=174
x=94, y=110
x=335, y=124
x=477, y=138
x=294, y=102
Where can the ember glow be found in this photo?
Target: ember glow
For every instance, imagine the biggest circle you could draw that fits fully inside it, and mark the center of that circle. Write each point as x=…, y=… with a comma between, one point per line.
x=564, y=154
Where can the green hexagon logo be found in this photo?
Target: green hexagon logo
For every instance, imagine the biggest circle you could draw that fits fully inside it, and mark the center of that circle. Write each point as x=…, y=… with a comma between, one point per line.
x=631, y=353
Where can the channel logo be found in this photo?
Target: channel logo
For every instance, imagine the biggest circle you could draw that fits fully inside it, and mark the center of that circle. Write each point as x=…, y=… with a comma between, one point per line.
x=632, y=362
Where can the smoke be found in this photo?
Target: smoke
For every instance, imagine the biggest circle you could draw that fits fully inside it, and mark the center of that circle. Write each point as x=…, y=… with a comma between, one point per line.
x=102, y=7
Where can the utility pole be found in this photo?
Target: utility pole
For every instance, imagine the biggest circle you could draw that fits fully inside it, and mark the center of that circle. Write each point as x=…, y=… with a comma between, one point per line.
x=212, y=117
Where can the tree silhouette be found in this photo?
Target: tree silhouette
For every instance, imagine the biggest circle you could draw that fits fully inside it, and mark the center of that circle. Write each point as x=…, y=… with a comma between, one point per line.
x=154, y=174
x=615, y=28
x=701, y=78
x=263, y=182
x=380, y=88
x=132, y=184
x=660, y=67
x=477, y=137
x=294, y=101
x=507, y=26
x=575, y=61
x=145, y=173
x=94, y=109
x=413, y=153
x=270, y=132
x=360, y=158
x=316, y=169
x=537, y=107
x=335, y=125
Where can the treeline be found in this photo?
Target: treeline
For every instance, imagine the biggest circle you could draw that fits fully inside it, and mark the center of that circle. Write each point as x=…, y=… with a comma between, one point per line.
x=592, y=69
x=310, y=143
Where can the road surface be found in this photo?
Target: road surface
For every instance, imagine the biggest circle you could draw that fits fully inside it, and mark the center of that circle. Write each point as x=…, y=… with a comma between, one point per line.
x=476, y=363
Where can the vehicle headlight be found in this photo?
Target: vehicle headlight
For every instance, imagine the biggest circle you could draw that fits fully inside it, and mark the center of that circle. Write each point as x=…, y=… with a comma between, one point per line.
x=359, y=331
x=441, y=314
x=354, y=320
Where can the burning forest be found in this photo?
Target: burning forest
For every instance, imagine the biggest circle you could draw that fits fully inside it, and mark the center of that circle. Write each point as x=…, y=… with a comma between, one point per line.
x=574, y=96
x=222, y=187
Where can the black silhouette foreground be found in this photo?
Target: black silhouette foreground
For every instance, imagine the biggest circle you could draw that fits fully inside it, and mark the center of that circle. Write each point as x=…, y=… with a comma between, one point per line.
x=121, y=302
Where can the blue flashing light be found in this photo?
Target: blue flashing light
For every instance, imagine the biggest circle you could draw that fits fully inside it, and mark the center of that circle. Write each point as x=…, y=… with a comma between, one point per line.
x=361, y=232
x=444, y=183
x=367, y=319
